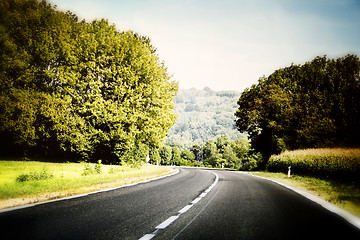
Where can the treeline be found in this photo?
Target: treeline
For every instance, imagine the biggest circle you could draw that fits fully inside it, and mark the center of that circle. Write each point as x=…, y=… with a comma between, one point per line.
x=202, y=115
x=77, y=89
x=313, y=105
x=219, y=153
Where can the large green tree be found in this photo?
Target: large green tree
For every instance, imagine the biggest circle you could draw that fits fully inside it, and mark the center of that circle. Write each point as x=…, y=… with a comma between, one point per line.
x=81, y=88
x=316, y=104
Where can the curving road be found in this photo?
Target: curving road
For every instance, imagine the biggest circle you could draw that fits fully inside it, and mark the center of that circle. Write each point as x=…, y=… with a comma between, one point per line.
x=194, y=204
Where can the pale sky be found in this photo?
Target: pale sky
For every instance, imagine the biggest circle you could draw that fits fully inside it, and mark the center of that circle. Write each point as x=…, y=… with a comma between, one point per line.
x=230, y=44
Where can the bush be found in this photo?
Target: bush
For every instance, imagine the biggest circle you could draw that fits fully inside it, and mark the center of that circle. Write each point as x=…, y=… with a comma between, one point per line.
x=98, y=167
x=88, y=169
x=31, y=176
x=340, y=163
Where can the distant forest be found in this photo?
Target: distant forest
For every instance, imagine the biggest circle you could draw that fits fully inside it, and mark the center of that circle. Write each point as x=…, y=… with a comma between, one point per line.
x=203, y=115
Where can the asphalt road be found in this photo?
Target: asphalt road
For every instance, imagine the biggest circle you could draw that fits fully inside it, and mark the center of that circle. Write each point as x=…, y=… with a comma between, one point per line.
x=194, y=204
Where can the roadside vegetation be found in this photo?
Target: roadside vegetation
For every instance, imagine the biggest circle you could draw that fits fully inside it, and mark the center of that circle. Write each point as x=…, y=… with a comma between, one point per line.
x=342, y=164
x=23, y=182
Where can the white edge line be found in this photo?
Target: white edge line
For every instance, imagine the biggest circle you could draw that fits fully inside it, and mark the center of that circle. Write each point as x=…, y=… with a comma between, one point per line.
x=354, y=220
x=85, y=194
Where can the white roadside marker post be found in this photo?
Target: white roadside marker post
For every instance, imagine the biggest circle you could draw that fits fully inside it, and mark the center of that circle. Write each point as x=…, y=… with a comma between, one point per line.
x=289, y=171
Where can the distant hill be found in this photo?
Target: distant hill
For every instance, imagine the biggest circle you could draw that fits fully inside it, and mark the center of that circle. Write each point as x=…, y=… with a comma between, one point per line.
x=203, y=115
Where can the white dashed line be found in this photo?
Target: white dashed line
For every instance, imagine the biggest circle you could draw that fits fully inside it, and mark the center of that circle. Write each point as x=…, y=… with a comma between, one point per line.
x=167, y=222
x=203, y=194
x=196, y=200
x=147, y=237
x=185, y=209
x=171, y=219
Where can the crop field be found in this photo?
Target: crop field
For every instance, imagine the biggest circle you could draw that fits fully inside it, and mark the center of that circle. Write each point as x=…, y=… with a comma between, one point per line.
x=23, y=182
x=334, y=163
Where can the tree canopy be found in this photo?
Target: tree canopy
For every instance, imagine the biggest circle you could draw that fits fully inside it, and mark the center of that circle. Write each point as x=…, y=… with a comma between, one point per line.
x=316, y=104
x=74, y=88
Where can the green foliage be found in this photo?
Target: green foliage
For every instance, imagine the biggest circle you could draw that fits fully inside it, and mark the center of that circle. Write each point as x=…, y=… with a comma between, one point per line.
x=165, y=153
x=79, y=89
x=98, y=167
x=335, y=163
x=203, y=115
x=176, y=156
x=154, y=156
x=316, y=104
x=223, y=152
x=187, y=155
x=92, y=168
x=34, y=176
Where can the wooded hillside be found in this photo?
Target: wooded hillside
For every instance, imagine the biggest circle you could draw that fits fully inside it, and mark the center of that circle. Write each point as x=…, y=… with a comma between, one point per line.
x=203, y=115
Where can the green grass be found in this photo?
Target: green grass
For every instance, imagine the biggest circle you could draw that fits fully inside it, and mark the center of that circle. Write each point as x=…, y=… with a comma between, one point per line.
x=23, y=182
x=342, y=194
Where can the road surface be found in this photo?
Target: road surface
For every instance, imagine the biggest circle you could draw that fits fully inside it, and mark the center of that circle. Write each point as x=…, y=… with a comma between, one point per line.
x=194, y=204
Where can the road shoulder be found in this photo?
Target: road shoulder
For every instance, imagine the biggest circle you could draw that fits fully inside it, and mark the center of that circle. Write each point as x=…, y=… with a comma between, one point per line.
x=354, y=220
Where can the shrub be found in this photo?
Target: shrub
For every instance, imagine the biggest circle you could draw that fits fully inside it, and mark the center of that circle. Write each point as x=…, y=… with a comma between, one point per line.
x=98, y=167
x=31, y=176
x=88, y=169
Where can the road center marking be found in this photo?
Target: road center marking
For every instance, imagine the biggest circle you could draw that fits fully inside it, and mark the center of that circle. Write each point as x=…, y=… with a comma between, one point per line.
x=185, y=209
x=147, y=237
x=196, y=200
x=167, y=222
x=171, y=219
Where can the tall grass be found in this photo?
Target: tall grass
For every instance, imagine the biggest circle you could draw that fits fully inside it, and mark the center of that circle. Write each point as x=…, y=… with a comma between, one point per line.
x=335, y=163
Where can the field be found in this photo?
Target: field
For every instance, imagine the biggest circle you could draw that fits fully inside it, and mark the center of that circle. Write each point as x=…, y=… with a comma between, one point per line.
x=23, y=182
x=331, y=163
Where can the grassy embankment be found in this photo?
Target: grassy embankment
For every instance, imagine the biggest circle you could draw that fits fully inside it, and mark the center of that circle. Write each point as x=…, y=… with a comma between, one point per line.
x=23, y=182
x=331, y=174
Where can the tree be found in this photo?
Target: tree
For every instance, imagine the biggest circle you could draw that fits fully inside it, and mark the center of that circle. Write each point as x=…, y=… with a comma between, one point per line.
x=210, y=150
x=79, y=88
x=229, y=155
x=188, y=155
x=303, y=106
x=165, y=153
x=176, y=156
x=154, y=156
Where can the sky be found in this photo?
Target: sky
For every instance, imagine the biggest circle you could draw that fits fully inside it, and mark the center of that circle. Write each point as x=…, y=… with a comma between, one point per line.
x=230, y=44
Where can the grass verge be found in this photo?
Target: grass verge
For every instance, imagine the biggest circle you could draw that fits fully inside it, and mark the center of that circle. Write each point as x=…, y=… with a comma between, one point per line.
x=25, y=182
x=343, y=195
